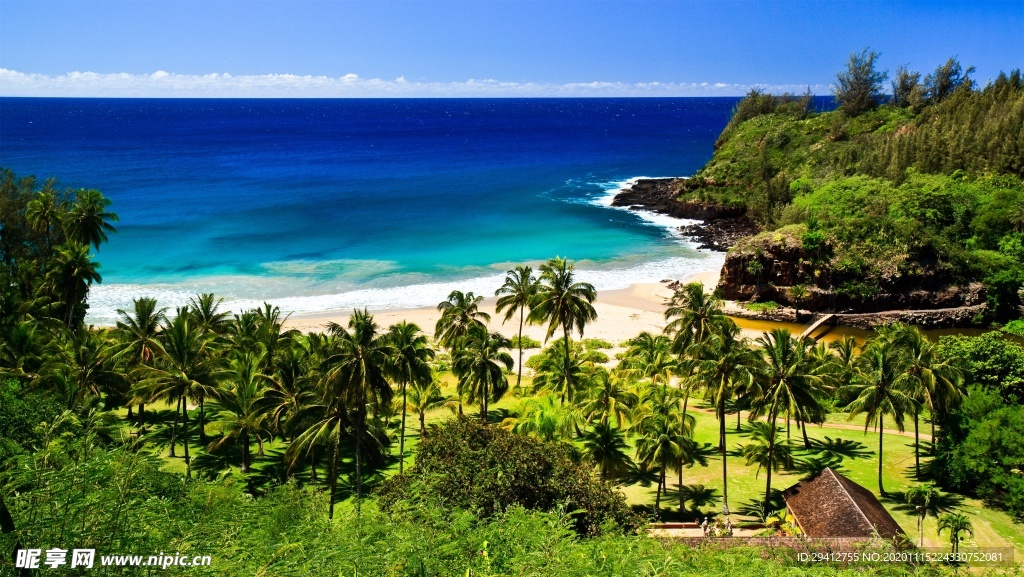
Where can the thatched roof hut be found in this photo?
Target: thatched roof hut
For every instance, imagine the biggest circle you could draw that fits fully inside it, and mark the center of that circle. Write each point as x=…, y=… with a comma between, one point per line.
x=830, y=505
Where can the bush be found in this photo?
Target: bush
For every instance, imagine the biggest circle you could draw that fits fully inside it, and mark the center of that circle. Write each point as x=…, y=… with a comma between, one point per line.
x=528, y=343
x=761, y=307
x=466, y=465
x=594, y=344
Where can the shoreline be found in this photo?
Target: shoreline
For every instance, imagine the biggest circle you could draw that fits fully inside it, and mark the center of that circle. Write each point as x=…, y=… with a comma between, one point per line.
x=621, y=313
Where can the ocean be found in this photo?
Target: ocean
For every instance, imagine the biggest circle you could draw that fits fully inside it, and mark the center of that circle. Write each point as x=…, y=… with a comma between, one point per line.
x=328, y=205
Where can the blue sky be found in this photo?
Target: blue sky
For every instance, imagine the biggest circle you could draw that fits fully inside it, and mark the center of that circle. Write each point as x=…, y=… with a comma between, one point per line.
x=481, y=48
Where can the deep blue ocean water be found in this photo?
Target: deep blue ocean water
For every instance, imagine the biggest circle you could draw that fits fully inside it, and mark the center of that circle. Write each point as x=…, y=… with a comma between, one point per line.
x=321, y=205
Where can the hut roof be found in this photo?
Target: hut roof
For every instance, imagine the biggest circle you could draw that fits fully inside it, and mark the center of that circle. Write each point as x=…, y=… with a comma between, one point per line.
x=830, y=505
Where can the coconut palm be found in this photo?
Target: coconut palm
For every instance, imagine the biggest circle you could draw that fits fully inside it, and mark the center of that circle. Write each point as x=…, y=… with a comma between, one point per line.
x=880, y=387
x=725, y=365
x=650, y=357
x=358, y=371
x=408, y=365
x=88, y=221
x=933, y=382
x=661, y=443
x=692, y=315
x=44, y=214
x=480, y=363
x=767, y=452
x=520, y=286
x=562, y=302
x=71, y=274
x=957, y=523
x=788, y=383
x=609, y=398
x=292, y=389
x=191, y=368
x=607, y=447
x=21, y=351
x=82, y=363
x=205, y=309
x=242, y=415
x=137, y=333
x=424, y=397
x=922, y=497
x=561, y=373
x=459, y=314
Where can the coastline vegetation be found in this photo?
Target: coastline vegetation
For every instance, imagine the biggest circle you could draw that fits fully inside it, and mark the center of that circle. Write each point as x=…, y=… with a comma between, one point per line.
x=365, y=449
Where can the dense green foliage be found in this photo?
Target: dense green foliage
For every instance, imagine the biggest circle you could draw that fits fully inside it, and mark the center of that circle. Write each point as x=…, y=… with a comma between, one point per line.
x=926, y=189
x=981, y=450
x=464, y=465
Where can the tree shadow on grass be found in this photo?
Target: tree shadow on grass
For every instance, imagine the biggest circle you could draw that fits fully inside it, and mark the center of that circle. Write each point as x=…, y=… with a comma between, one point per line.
x=842, y=448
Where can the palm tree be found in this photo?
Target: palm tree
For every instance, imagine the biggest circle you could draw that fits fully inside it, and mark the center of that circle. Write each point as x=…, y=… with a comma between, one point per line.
x=21, y=351
x=880, y=386
x=424, y=397
x=358, y=370
x=292, y=389
x=138, y=335
x=650, y=357
x=409, y=365
x=480, y=363
x=561, y=373
x=69, y=278
x=242, y=415
x=82, y=363
x=957, y=523
x=520, y=286
x=459, y=314
x=934, y=382
x=545, y=418
x=192, y=367
x=693, y=315
x=88, y=221
x=562, y=302
x=922, y=497
x=606, y=446
x=767, y=452
x=789, y=382
x=661, y=443
x=205, y=308
x=725, y=365
x=44, y=214
x=609, y=398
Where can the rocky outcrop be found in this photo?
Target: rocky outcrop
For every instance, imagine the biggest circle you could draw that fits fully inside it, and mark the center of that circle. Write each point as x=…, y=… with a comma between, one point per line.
x=722, y=225
x=777, y=266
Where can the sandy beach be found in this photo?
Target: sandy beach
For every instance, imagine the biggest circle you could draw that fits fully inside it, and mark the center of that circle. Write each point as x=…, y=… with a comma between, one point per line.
x=621, y=314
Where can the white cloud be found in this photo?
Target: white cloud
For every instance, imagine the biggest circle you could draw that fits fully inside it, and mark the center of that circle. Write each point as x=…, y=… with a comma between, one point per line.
x=166, y=84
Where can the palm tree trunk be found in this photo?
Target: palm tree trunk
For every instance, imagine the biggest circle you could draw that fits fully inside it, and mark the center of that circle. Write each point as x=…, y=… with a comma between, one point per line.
x=142, y=417
x=681, y=500
x=312, y=459
x=519, y=377
x=423, y=426
x=657, y=498
x=483, y=406
x=401, y=437
x=333, y=474
x=259, y=445
x=245, y=452
x=807, y=442
x=771, y=458
x=881, y=489
x=202, y=419
x=721, y=445
x=184, y=431
x=360, y=425
x=174, y=427
x=739, y=426
x=933, y=432
x=917, y=448
x=565, y=389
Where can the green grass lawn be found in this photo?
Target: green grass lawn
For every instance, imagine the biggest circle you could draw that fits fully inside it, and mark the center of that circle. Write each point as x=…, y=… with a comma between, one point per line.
x=993, y=528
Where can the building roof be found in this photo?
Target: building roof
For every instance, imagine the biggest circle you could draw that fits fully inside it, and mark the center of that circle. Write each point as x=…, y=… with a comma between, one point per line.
x=830, y=505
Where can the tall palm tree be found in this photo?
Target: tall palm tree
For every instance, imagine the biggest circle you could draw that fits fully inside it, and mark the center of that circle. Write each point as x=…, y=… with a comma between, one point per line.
x=480, y=363
x=562, y=302
x=650, y=357
x=192, y=367
x=82, y=363
x=205, y=308
x=957, y=523
x=565, y=374
x=21, y=350
x=242, y=415
x=606, y=446
x=88, y=220
x=359, y=371
x=459, y=313
x=725, y=365
x=409, y=365
x=693, y=315
x=661, y=443
x=72, y=273
x=293, y=388
x=520, y=286
x=138, y=333
x=767, y=452
x=44, y=214
x=881, y=387
x=933, y=382
x=789, y=383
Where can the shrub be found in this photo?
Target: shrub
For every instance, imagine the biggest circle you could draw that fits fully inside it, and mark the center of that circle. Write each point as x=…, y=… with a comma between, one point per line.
x=528, y=343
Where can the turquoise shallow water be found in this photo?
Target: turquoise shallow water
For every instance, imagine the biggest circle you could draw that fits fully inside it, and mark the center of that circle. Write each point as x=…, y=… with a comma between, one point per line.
x=322, y=205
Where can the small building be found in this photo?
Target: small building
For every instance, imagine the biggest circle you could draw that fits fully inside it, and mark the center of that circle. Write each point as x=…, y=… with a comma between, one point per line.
x=830, y=505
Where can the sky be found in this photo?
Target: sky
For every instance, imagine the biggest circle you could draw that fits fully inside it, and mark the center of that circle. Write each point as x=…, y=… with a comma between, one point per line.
x=331, y=48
